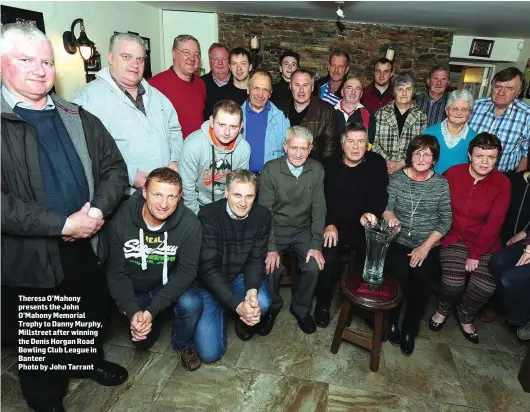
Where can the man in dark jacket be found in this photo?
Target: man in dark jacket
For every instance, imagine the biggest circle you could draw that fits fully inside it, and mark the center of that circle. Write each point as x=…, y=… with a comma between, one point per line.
x=153, y=258
x=319, y=117
x=289, y=62
x=235, y=232
x=329, y=88
x=355, y=183
x=219, y=77
x=62, y=175
x=292, y=188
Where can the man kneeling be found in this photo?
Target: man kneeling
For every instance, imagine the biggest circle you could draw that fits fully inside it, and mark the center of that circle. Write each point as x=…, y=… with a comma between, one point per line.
x=154, y=253
x=235, y=233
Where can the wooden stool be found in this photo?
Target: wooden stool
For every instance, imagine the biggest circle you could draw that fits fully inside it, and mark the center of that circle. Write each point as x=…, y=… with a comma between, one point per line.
x=378, y=305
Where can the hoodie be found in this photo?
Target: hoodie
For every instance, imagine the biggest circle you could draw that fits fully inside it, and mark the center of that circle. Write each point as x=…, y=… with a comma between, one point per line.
x=200, y=159
x=146, y=141
x=141, y=259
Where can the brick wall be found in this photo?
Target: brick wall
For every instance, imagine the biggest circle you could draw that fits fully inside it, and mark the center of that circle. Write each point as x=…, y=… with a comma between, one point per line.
x=417, y=48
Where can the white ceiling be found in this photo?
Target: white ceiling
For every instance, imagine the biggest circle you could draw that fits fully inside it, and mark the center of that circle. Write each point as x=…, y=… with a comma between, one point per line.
x=476, y=18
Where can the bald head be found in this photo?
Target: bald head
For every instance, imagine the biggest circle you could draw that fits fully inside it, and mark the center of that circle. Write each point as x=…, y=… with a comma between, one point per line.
x=352, y=92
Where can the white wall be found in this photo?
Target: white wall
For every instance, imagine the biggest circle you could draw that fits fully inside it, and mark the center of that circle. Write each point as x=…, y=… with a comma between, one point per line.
x=504, y=49
x=101, y=19
x=203, y=26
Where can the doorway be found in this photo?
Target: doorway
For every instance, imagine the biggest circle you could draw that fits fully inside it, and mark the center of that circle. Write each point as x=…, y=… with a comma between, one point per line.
x=474, y=77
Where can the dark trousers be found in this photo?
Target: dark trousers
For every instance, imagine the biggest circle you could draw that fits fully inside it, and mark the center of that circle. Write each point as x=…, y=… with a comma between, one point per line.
x=298, y=241
x=415, y=283
x=82, y=278
x=332, y=271
x=513, y=282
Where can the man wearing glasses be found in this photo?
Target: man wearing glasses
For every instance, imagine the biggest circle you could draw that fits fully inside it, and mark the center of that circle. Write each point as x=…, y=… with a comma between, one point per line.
x=140, y=118
x=185, y=90
x=210, y=153
x=218, y=79
x=506, y=117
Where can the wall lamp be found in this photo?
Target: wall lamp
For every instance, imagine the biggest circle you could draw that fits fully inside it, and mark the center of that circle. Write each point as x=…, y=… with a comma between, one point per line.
x=83, y=43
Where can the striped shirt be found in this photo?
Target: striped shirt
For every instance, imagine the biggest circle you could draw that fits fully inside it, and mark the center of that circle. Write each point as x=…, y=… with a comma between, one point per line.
x=435, y=110
x=327, y=95
x=512, y=128
x=431, y=201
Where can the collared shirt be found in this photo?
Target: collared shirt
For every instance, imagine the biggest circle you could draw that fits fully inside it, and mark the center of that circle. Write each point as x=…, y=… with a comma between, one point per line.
x=232, y=215
x=512, y=128
x=450, y=140
x=221, y=83
x=327, y=95
x=435, y=110
x=14, y=101
x=139, y=101
x=296, y=171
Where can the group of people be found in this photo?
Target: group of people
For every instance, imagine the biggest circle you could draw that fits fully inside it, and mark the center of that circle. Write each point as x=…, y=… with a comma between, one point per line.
x=184, y=193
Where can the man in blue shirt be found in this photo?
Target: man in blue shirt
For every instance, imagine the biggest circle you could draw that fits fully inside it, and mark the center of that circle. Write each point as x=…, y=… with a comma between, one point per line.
x=264, y=124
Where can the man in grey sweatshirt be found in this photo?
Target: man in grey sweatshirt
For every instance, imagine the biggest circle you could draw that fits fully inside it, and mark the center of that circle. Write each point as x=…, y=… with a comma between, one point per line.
x=292, y=188
x=210, y=153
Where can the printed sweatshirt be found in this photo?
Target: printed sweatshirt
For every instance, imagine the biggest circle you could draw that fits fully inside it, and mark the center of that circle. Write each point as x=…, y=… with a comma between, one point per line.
x=200, y=159
x=141, y=259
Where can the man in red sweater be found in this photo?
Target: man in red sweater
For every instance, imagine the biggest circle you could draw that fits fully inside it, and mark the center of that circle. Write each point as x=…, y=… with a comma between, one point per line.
x=185, y=90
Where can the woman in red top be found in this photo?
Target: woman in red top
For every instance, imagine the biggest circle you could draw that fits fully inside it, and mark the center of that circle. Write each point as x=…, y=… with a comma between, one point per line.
x=480, y=196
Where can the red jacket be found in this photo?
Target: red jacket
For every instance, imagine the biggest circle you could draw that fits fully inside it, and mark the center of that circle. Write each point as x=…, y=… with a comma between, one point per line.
x=478, y=210
x=186, y=97
x=373, y=100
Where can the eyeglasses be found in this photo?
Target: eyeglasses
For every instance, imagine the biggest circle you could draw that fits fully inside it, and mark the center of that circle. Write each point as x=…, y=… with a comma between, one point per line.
x=418, y=155
x=462, y=110
x=507, y=89
x=189, y=54
x=127, y=57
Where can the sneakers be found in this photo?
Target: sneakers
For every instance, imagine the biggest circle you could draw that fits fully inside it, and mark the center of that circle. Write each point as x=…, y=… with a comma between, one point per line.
x=523, y=332
x=189, y=359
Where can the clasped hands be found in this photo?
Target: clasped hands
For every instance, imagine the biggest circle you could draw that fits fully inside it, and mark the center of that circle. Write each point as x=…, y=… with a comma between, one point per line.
x=141, y=324
x=249, y=310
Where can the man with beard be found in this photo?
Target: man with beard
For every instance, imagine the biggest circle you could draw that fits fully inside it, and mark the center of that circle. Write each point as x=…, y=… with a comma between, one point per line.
x=379, y=93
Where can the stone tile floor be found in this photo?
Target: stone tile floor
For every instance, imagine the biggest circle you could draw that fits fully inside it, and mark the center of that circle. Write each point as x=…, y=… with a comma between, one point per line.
x=290, y=371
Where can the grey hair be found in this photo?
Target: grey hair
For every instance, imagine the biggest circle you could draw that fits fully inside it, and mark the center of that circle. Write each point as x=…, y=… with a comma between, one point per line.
x=460, y=95
x=298, y=131
x=241, y=176
x=117, y=37
x=182, y=38
x=26, y=30
x=402, y=79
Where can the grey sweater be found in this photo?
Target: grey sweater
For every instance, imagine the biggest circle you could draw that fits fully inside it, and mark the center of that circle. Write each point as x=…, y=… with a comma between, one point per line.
x=432, y=214
x=294, y=203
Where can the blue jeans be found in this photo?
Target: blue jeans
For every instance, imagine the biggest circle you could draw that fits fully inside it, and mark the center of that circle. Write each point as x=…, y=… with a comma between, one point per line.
x=210, y=334
x=187, y=310
x=513, y=282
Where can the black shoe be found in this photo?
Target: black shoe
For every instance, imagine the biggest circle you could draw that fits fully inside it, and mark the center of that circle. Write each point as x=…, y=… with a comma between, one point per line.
x=306, y=323
x=321, y=316
x=54, y=408
x=267, y=323
x=407, y=344
x=436, y=326
x=472, y=337
x=108, y=373
x=243, y=331
x=394, y=335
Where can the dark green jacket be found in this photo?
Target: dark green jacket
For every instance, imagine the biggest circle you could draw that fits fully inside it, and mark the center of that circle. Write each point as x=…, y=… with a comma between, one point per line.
x=294, y=203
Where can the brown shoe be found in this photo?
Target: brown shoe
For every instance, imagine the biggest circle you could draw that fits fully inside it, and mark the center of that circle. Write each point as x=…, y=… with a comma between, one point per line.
x=189, y=359
x=488, y=315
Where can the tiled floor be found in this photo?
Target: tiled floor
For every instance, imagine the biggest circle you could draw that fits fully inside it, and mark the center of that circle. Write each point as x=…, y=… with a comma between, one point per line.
x=291, y=371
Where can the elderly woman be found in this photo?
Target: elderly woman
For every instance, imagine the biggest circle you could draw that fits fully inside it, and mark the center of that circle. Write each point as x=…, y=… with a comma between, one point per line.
x=419, y=202
x=480, y=197
x=453, y=133
x=397, y=123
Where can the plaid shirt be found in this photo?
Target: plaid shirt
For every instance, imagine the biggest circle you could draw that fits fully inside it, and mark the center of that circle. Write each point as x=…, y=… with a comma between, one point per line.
x=512, y=128
x=388, y=142
x=139, y=101
x=435, y=110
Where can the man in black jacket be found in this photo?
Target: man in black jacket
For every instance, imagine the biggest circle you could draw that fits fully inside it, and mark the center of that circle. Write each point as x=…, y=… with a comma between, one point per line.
x=235, y=233
x=308, y=111
x=153, y=258
x=62, y=175
x=355, y=183
x=289, y=62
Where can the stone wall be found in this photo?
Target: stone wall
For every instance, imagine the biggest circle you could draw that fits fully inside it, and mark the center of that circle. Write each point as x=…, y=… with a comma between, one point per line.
x=417, y=48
